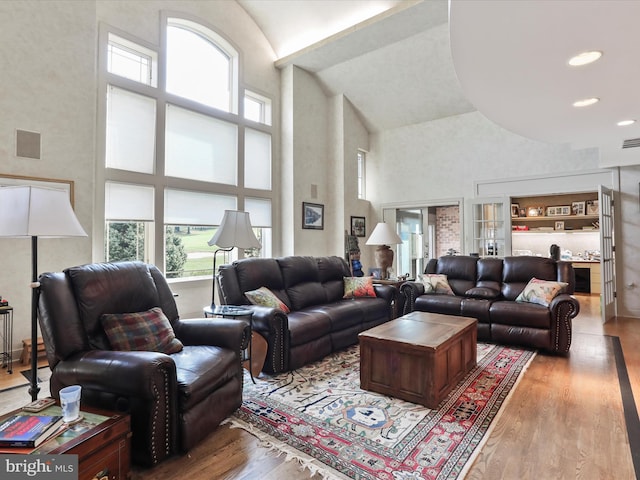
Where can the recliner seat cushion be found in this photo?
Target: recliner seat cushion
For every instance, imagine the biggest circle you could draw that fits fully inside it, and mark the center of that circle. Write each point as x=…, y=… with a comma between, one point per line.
x=521, y=314
x=434, y=303
x=200, y=370
x=308, y=325
x=342, y=314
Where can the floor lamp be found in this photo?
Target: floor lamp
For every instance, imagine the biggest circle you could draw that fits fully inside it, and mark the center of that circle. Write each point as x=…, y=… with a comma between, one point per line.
x=234, y=231
x=29, y=211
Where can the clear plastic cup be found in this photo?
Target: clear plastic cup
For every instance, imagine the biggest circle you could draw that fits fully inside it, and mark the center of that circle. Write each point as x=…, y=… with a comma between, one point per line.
x=70, y=402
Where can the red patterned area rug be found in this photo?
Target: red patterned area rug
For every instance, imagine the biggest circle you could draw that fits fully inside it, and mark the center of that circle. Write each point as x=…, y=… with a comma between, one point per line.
x=319, y=416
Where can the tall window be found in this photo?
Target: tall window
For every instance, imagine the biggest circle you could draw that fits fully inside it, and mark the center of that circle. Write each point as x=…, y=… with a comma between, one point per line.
x=178, y=149
x=362, y=158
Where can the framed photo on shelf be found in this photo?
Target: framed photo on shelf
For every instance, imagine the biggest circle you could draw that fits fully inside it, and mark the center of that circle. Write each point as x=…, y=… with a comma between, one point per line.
x=515, y=210
x=593, y=208
x=562, y=210
x=577, y=208
x=375, y=272
x=559, y=225
x=358, y=226
x=312, y=216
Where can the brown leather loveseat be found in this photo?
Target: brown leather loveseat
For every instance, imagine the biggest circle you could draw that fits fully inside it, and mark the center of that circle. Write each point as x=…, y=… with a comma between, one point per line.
x=487, y=288
x=320, y=320
x=175, y=399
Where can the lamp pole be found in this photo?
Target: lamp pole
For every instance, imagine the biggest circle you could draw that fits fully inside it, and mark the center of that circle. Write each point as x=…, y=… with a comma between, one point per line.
x=34, y=388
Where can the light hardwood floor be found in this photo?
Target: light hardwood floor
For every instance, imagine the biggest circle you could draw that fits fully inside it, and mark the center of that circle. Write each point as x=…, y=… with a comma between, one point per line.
x=564, y=421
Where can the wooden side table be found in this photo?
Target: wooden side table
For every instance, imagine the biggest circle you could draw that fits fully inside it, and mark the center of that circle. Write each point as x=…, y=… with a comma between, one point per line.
x=102, y=441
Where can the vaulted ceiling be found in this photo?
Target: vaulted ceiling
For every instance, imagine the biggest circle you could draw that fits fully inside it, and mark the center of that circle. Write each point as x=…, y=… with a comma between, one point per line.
x=402, y=62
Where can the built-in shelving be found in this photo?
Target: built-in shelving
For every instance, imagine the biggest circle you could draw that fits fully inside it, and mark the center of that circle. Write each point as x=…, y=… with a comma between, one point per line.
x=540, y=206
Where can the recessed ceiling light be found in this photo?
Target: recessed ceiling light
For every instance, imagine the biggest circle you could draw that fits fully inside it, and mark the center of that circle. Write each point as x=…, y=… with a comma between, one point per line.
x=586, y=102
x=585, y=58
x=624, y=123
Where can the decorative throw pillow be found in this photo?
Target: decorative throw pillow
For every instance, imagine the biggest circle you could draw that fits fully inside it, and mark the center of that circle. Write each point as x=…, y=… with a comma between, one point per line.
x=358, y=287
x=436, y=283
x=148, y=331
x=540, y=291
x=266, y=298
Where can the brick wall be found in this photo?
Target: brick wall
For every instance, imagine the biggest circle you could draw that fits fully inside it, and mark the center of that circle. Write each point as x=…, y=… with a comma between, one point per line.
x=447, y=229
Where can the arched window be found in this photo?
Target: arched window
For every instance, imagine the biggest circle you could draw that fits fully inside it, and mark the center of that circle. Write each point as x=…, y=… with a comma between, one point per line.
x=201, y=66
x=180, y=148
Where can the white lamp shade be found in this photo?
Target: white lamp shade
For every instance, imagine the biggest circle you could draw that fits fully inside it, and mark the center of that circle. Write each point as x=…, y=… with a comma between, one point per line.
x=235, y=231
x=383, y=235
x=28, y=211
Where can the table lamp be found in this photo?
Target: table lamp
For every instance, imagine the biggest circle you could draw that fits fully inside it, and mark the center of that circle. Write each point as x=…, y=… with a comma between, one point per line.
x=29, y=211
x=234, y=231
x=383, y=236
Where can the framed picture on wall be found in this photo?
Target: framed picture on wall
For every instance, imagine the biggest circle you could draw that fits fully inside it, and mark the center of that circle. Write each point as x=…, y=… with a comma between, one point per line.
x=358, y=226
x=559, y=226
x=312, y=216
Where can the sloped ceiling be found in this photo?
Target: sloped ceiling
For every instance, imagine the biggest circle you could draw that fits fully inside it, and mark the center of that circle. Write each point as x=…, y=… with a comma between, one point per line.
x=407, y=63
x=395, y=68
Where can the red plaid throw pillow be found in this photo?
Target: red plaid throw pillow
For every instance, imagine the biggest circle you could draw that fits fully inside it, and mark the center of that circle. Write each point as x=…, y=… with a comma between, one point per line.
x=143, y=331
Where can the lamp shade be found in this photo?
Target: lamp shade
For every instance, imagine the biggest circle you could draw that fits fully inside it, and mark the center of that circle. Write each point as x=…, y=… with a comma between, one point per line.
x=29, y=211
x=235, y=231
x=383, y=235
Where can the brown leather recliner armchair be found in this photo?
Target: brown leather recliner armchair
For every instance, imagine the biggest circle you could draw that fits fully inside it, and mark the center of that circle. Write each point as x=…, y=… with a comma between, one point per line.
x=174, y=400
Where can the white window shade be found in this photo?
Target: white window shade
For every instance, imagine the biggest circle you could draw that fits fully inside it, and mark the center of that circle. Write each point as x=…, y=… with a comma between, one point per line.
x=198, y=147
x=131, y=131
x=129, y=202
x=196, y=68
x=183, y=207
x=259, y=211
x=257, y=159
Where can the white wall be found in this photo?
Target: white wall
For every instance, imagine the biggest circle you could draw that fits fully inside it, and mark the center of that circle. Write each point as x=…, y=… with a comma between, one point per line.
x=627, y=241
x=48, y=80
x=442, y=158
x=47, y=59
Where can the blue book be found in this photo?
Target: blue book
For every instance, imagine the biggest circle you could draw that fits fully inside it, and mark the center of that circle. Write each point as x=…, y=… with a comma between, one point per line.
x=28, y=430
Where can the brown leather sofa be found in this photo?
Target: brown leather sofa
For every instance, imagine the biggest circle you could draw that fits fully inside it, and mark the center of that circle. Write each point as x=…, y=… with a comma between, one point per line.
x=175, y=399
x=486, y=289
x=320, y=320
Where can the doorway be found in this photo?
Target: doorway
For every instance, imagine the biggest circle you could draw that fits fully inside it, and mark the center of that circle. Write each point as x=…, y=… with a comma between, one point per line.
x=427, y=232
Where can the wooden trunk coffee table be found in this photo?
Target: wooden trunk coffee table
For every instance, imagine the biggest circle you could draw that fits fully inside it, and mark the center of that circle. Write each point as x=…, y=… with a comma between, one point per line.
x=418, y=357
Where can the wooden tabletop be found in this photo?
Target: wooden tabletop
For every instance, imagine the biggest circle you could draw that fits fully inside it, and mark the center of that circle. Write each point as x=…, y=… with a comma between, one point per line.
x=421, y=328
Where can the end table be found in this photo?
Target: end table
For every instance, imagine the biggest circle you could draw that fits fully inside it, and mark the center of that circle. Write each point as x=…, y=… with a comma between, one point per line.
x=231, y=311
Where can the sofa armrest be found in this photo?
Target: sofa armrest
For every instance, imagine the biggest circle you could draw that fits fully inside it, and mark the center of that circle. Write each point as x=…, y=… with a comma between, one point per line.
x=129, y=374
x=563, y=308
x=388, y=292
x=273, y=325
x=220, y=332
x=143, y=384
x=411, y=291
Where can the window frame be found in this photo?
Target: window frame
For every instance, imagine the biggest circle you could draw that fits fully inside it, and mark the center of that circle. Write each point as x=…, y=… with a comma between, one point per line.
x=361, y=175
x=158, y=180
